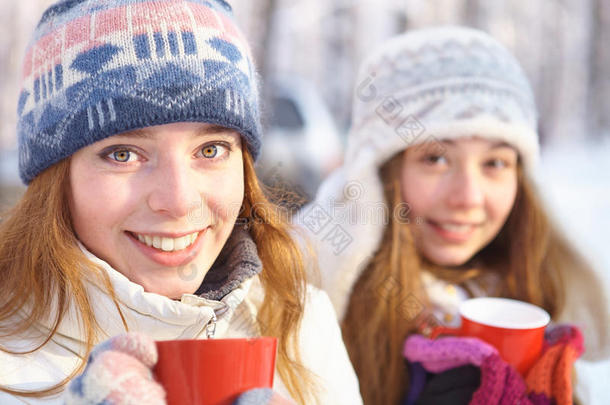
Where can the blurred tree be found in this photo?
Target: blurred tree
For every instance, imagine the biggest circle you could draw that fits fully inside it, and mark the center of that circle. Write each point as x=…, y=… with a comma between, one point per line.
x=17, y=20
x=561, y=44
x=599, y=63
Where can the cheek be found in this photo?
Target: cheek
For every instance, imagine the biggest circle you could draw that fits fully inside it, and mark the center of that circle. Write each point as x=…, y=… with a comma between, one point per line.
x=501, y=201
x=225, y=195
x=418, y=192
x=84, y=204
x=96, y=204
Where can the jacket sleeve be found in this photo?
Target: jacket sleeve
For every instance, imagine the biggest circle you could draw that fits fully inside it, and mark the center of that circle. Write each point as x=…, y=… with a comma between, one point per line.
x=27, y=372
x=323, y=352
x=34, y=371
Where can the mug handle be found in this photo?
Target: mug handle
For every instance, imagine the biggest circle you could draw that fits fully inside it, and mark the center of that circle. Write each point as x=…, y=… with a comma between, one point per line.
x=443, y=330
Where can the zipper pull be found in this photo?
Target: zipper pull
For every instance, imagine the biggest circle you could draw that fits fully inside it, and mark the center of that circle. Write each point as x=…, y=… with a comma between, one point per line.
x=211, y=327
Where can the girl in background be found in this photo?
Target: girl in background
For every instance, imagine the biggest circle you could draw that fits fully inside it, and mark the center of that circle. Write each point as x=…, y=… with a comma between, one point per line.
x=138, y=130
x=435, y=203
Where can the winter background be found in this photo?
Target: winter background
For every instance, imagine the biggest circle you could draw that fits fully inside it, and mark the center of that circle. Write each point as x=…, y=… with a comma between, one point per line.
x=308, y=52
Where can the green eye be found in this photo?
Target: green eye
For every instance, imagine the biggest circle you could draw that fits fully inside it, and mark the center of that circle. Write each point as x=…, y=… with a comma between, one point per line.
x=121, y=155
x=210, y=151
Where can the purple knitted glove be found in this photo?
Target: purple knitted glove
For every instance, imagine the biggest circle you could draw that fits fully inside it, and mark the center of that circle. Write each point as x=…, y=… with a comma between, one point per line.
x=501, y=384
x=446, y=353
x=118, y=372
x=262, y=396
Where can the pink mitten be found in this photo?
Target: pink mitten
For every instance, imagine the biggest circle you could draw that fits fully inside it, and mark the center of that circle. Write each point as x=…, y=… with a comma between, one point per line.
x=118, y=372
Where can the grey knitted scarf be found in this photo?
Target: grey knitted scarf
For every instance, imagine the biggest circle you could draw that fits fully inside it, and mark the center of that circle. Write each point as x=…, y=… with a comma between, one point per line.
x=238, y=261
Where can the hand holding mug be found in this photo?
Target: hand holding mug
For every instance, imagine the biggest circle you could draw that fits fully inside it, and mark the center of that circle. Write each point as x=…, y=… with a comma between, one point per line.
x=118, y=372
x=514, y=328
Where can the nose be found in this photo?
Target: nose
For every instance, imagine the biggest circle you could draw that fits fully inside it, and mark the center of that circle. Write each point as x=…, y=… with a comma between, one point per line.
x=174, y=190
x=466, y=189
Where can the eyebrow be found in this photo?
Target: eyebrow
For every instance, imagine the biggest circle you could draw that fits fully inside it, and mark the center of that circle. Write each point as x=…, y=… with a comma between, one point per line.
x=143, y=133
x=495, y=145
x=501, y=144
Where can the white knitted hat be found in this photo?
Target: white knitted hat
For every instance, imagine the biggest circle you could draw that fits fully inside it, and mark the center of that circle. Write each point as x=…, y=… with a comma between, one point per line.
x=441, y=83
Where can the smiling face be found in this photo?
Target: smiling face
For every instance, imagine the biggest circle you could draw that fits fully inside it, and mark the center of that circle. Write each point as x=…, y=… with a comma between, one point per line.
x=158, y=204
x=460, y=199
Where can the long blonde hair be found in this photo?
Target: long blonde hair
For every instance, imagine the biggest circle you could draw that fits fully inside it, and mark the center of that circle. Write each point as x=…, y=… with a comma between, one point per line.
x=529, y=255
x=40, y=269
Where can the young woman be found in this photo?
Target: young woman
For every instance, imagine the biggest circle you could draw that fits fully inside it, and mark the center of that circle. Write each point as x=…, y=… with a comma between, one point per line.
x=435, y=204
x=138, y=130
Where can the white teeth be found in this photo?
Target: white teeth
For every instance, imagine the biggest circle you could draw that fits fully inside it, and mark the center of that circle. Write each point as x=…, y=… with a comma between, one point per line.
x=168, y=244
x=181, y=243
x=157, y=242
x=455, y=228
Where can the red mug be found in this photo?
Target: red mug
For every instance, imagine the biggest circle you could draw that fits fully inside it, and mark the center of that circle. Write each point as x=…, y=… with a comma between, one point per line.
x=515, y=328
x=214, y=371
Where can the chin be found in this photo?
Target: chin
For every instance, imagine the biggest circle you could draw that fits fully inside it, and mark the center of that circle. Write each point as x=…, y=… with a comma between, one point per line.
x=449, y=259
x=174, y=292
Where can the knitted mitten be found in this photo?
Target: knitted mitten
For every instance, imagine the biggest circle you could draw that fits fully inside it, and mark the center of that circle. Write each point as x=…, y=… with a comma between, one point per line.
x=118, y=371
x=550, y=378
x=262, y=396
x=500, y=383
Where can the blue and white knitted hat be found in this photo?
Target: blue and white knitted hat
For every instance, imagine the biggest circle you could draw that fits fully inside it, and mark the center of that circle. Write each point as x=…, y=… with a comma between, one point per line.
x=96, y=68
x=441, y=83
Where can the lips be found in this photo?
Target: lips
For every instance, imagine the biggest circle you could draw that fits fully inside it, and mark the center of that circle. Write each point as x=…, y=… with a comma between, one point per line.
x=167, y=244
x=170, y=258
x=454, y=231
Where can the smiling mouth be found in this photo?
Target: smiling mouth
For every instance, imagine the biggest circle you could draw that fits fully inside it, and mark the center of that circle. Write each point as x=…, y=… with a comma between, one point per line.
x=453, y=227
x=453, y=232
x=166, y=244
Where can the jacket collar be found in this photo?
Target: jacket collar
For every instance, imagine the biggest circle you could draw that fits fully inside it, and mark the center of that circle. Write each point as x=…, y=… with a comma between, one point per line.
x=162, y=318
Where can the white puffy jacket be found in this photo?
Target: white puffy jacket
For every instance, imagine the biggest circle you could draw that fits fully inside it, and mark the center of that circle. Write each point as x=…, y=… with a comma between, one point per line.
x=321, y=345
